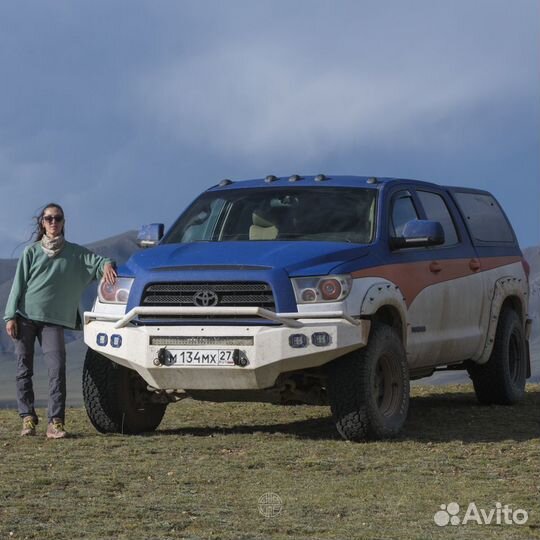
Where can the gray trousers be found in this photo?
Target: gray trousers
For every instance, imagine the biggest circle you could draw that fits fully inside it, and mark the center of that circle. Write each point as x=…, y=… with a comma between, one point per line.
x=51, y=339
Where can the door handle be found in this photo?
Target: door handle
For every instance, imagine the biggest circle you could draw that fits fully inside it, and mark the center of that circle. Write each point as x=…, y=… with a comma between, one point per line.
x=474, y=265
x=435, y=267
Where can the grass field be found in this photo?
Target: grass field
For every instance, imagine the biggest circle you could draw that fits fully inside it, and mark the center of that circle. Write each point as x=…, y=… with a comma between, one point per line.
x=203, y=473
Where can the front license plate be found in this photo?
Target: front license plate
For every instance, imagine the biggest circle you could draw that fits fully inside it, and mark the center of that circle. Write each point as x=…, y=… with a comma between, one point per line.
x=198, y=357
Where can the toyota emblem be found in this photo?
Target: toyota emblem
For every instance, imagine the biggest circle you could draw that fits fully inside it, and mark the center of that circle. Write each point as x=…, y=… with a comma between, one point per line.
x=205, y=298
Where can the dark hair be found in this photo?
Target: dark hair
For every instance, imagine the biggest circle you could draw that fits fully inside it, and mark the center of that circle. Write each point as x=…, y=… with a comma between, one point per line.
x=40, y=229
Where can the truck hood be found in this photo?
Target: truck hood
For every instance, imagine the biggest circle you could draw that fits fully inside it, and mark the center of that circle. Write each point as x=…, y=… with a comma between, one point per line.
x=295, y=258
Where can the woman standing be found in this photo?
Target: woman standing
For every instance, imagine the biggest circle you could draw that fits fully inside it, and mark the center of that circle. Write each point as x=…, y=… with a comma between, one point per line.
x=50, y=278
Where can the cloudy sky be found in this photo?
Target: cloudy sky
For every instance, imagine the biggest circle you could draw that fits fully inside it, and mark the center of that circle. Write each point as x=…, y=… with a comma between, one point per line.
x=123, y=111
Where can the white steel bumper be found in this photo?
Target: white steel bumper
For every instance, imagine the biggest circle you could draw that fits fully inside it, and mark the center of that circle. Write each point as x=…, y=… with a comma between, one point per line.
x=264, y=351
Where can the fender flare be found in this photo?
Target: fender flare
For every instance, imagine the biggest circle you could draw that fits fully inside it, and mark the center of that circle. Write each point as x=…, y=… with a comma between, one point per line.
x=503, y=289
x=381, y=294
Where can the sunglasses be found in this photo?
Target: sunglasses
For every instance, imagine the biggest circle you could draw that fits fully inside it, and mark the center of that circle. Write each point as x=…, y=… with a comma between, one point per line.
x=50, y=219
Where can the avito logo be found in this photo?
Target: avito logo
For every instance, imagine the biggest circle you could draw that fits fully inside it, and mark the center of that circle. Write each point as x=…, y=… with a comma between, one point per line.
x=499, y=515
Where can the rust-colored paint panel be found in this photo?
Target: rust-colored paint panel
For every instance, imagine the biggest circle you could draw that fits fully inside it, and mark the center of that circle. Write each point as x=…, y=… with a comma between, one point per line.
x=412, y=278
x=489, y=263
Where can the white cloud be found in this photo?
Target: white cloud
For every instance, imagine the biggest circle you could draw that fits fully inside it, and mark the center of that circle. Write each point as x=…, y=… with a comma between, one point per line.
x=257, y=101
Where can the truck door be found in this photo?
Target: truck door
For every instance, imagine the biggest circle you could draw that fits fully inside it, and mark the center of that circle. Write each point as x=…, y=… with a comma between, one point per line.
x=445, y=315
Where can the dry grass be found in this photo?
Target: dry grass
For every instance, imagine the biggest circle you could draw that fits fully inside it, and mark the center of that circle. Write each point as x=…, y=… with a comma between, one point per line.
x=202, y=474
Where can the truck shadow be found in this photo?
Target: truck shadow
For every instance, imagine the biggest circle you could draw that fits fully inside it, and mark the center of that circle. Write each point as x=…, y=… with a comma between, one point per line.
x=436, y=417
x=446, y=417
x=313, y=428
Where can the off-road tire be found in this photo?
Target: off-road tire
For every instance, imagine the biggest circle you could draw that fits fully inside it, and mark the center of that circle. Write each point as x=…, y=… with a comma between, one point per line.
x=368, y=389
x=116, y=399
x=501, y=380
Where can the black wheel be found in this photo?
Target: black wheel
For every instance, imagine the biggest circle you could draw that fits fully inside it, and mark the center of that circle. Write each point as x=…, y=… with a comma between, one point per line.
x=368, y=389
x=116, y=398
x=501, y=380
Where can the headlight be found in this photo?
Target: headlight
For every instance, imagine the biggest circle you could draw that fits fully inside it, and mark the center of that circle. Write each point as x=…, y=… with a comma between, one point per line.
x=321, y=288
x=117, y=293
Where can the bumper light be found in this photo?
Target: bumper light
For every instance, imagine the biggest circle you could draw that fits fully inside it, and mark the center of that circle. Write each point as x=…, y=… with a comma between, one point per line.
x=298, y=341
x=321, y=339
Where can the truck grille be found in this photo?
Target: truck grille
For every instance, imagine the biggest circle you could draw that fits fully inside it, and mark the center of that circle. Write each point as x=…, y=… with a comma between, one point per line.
x=205, y=294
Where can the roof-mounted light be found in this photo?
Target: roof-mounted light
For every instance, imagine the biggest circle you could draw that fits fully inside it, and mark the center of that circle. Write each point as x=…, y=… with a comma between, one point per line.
x=225, y=182
x=372, y=180
x=295, y=178
x=270, y=178
x=321, y=178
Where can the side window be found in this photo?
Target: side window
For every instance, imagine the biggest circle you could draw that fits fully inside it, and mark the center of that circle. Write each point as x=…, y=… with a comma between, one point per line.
x=436, y=210
x=484, y=218
x=403, y=211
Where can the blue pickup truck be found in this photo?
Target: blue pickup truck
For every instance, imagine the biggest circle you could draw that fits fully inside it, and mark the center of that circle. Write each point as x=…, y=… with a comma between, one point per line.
x=319, y=289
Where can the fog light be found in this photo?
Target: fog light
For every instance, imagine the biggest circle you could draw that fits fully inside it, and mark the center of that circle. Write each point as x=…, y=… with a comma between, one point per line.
x=298, y=341
x=102, y=340
x=320, y=339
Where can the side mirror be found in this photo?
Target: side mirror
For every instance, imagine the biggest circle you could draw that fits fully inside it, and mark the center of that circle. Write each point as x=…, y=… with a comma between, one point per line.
x=150, y=235
x=419, y=233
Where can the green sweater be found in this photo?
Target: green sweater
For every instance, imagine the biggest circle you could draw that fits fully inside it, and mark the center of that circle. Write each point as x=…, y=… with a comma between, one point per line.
x=49, y=289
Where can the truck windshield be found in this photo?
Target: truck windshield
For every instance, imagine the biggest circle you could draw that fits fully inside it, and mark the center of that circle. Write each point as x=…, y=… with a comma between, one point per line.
x=316, y=214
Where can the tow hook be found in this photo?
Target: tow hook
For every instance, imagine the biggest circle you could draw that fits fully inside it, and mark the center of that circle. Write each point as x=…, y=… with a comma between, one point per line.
x=239, y=359
x=164, y=358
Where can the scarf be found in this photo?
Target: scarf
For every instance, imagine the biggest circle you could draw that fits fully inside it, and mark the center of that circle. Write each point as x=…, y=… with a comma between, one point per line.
x=52, y=246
